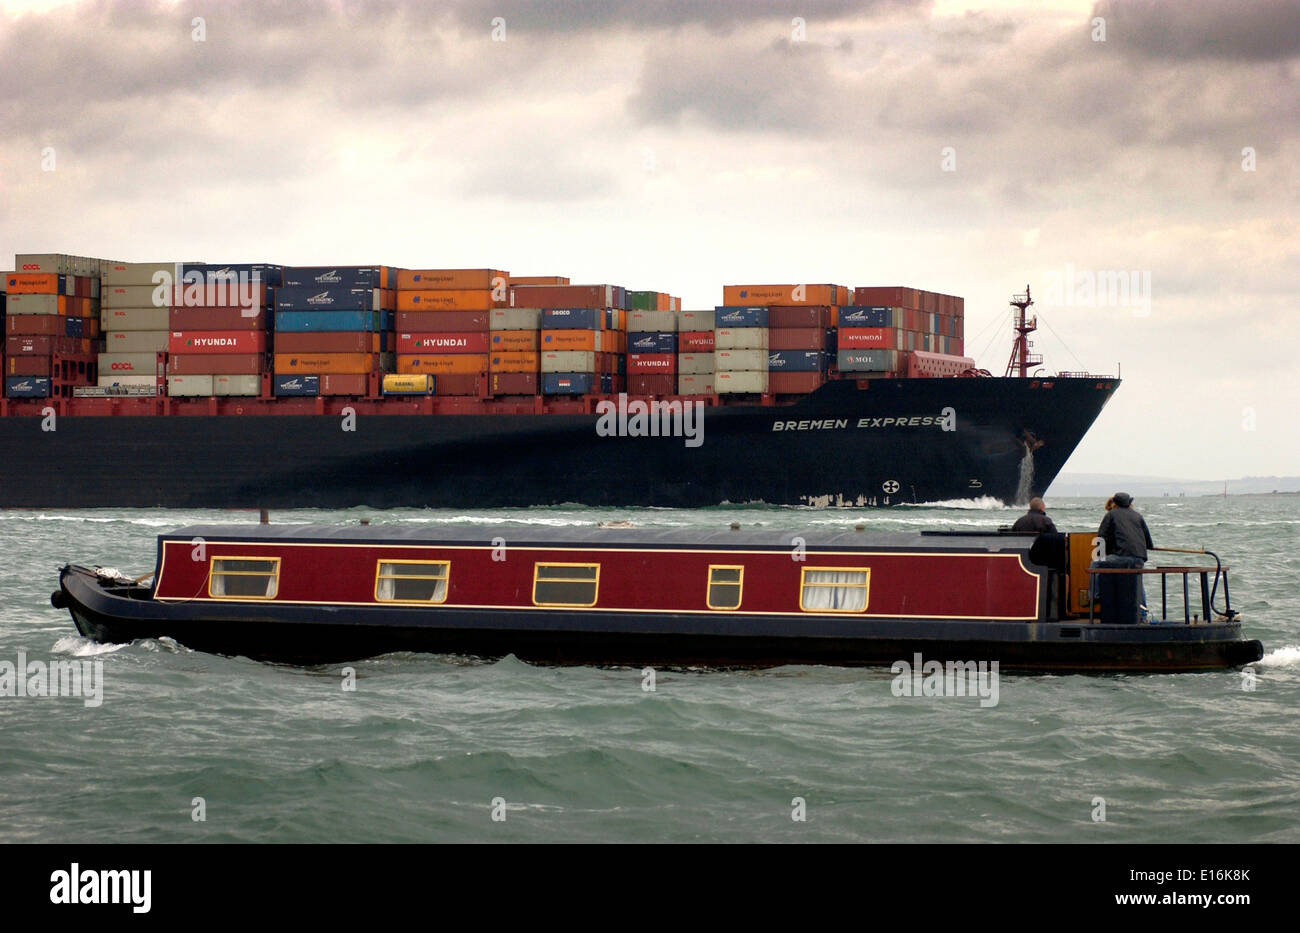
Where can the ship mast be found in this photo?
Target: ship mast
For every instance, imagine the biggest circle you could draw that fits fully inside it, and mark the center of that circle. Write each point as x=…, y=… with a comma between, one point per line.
x=1021, y=358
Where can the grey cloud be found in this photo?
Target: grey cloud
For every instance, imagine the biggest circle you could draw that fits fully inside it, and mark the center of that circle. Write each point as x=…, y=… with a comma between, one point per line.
x=1245, y=30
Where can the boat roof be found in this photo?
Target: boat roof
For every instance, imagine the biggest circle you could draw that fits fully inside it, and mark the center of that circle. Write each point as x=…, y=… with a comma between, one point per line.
x=536, y=535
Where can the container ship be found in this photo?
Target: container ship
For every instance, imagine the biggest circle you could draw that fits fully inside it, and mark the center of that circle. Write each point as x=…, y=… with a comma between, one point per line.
x=256, y=385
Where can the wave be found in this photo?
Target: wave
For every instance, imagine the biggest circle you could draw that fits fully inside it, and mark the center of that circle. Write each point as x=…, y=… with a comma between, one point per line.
x=1288, y=656
x=81, y=647
x=983, y=504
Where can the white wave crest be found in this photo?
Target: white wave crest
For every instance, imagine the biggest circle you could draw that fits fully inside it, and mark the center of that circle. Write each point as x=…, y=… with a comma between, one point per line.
x=1288, y=656
x=983, y=503
x=81, y=647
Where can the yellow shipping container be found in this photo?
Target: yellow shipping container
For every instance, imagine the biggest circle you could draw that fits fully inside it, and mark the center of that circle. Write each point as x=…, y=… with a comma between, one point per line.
x=411, y=383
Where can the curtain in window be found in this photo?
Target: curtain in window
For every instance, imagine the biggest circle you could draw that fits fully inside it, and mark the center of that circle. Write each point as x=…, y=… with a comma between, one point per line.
x=841, y=591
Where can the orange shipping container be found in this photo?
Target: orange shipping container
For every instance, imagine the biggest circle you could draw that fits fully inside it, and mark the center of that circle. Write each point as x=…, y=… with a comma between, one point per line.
x=521, y=362
x=571, y=340
x=448, y=299
x=423, y=279
x=514, y=341
x=754, y=295
x=539, y=280
x=449, y=363
x=31, y=283
x=344, y=363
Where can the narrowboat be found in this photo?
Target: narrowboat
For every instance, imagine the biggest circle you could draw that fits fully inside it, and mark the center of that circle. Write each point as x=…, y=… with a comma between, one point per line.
x=640, y=596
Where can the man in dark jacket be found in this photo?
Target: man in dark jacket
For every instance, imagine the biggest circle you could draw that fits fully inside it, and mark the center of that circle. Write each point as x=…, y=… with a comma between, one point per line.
x=1127, y=538
x=1035, y=519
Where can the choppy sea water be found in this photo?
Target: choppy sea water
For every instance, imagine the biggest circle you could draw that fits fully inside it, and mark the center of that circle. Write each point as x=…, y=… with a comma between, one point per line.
x=431, y=748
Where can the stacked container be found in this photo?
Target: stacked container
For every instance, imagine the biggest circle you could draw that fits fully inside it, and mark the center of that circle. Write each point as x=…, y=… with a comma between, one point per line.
x=444, y=327
x=51, y=325
x=798, y=340
x=572, y=350
x=135, y=317
x=219, y=339
x=514, y=364
x=740, y=347
x=333, y=330
x=651, y=350
x=695, y=356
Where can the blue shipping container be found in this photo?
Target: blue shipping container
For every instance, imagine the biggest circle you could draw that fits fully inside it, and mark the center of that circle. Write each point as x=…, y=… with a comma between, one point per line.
x=304, y=322
x=645, y=342
x=796, y=361
x=335, y=277
x=866, y=316
x=736, y=316
x=268, y=273
x=297, y=385
x=328, y=298
x=27, y=386
x=572, y=318
x=72, y=327
x=567, y=383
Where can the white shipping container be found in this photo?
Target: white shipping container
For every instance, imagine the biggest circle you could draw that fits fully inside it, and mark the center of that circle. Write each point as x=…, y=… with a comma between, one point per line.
x=135, y=341
x=740, y=338
x=740, y=360
x=115, y=319
x=568, y=361
x=132, y=296
x=515, y=319
x=740, y=382
x=43, y=262
x=645, y=322
x=695, y=384
x=695, y=363
x=237, y=385
x=32, y=304
x=137, y=273
x=106, y=379
x=128, y=364
x=696, y=320
x=189, y=385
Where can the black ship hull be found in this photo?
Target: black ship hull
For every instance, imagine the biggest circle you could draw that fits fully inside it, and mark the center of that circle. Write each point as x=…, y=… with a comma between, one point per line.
x=873, y=442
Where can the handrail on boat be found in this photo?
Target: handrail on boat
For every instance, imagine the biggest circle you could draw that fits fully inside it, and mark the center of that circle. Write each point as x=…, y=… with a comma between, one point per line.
x=1208, y=591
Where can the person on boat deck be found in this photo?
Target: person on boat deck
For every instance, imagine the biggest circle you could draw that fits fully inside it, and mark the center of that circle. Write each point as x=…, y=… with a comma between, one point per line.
x=1035, y=519
x=1127, y=538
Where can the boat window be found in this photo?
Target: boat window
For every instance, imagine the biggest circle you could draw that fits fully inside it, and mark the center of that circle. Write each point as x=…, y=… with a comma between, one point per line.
x=725, y=584
x=409, y=581
x=565, y=584
x=834, y=589
x=244, y=577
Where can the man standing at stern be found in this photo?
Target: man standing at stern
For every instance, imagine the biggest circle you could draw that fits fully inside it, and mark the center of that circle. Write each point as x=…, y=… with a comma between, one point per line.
x=1035, y=519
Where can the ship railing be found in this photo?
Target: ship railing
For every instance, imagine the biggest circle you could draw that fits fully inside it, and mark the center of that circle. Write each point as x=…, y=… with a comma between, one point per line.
x=1207, y=592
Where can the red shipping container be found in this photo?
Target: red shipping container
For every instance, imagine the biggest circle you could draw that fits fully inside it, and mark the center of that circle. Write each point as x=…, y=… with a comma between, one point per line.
x=866, y=338
x=216, y=319
x=216, y=364
x=216, y=341
x=793, y=383
x=695, y=341
x=27, y=366
x=798, y=316
x=797, y=338
x=475, y=342
x=441, y=322
x=649, y=363
x=328, y=342
x=513, y=383
x=33, y=325
x=651, y=384
x=344, y=384
x=26, y=345
x=562, y=296
x=458, y=384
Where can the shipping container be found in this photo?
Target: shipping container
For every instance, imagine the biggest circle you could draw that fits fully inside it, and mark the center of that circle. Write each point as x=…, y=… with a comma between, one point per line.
x=736, y=316
x=781, y=295
x=451, y=279
x=441, y=322
x=296, y=385
x=651, y=343
x=573, y=318
x=797, y=338
x=514, y=383
x=572, y=340
x=651, y=363
x=223, y=294
x=796, y=361
x=139, y=273
x=44, y=262
x=696, y=363
x=48, y=325
x=227, y=384
x=513, y=341
x=695, y=384
x=27, y=365
x=740, y=338
x=37, y=283
x=695, y=341
x=867, y=361
x=322, y=363
x=120, y=319
x=539, y=280
x=522, y=361
x=443, y=364
x=794, y=383
x=651, y=384
x=217, y=341
x=330, y=342
x=566, y=296
x=568, y=361
x=265, y=272
x=574, y=383
x=315, y=321
x=652, y=321
x=408, y=384
x=696, y=320
x=338, y=298
x=136, y=341
x=129, y=364
x=136, y=296
x=27, y=387
x=475, y=342
x=447, y=300
x=740, y=382
x=338, y=276
x=37, y=345
x=781, y=316
x=211, y=364
x=36, y=304
x=515, y=319
x=344, y=384
x=460, y=384
x=109, y=380
x=200, y=318
x=740, y=360
x=182, y=385
x=867, y=338
x=867, y=316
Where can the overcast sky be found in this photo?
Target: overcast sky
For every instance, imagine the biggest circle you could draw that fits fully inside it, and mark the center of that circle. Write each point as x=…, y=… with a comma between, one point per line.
x=966, y=148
